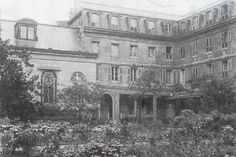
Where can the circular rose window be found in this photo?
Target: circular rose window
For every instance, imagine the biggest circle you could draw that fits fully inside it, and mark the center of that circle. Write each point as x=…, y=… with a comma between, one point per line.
x=78, y=77
x=48, y=78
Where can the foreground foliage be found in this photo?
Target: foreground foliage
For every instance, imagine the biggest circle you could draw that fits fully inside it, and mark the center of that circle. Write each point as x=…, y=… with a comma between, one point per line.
x=192, y=134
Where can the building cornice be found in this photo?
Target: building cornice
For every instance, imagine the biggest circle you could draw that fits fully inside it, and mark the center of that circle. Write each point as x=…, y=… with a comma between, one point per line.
x=206, y=29
x=138, y=35
x=175, y=39
x=78, y=54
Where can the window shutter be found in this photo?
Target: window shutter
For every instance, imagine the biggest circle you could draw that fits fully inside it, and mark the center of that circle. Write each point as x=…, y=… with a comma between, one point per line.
x=178, y=76
x=97, y=72
x=146, y=25
x=172, y=76
x=128, y=23
x=139, y=73
x=163, y=76
x=105, y=76
x=109, y=73
x=121, y=74
x=220, y=66
x=129, y=74
x=229, y=35
x=109, y=21
x=213, y=67
x=230, y=64
x=89, y=19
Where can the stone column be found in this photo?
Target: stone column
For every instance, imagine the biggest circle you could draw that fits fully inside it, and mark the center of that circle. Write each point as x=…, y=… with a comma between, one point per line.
x=154, y=109
x=116, y=107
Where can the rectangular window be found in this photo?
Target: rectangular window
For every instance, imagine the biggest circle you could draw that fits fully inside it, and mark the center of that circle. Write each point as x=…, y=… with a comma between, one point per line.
x=115, y=50
x=133, y=51
x=176, y=76
x=182, y=51
x=114, y=74
x=194, y=49
x=134, y=25
x=95, y=22
x=166, y=76
x=133, y=74
x=151, y=52
x=114, y=22
x=25, y=32
x=195, y=72
x=210, y=70
x=225, y=67
x=168, y=29
x=151, y=26
x=225, y=39
x=209, y=44
x=95, y=47
x=168, y=53
x=209, y=17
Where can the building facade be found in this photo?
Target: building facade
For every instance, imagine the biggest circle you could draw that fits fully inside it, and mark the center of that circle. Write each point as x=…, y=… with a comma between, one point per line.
x=113, y=48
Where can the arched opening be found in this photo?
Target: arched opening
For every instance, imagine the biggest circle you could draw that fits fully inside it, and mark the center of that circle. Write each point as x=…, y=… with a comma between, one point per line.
x=106, y=108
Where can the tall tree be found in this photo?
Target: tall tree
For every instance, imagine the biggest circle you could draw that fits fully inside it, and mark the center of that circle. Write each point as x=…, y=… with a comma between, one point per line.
x=17, y=88
x=148, y=83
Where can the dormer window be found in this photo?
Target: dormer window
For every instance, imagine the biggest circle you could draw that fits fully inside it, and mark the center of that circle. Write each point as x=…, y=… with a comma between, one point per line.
x=95, y=20
x=151, y=26
x=183, y=27
x=209, y=17
x=224, y=12
x=134, y=25
x=26, y=29
x=195, y=23
x=114, y=22
x=168, y=29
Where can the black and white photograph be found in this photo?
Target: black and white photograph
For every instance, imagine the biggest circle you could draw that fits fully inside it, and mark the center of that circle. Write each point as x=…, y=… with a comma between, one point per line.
x=117, y=78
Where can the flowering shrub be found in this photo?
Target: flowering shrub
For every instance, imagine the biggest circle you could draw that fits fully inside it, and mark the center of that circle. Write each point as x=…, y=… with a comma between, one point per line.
x=193, y=134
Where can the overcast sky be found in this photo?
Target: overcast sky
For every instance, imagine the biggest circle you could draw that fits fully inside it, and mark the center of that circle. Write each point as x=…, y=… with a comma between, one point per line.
x=49, y=11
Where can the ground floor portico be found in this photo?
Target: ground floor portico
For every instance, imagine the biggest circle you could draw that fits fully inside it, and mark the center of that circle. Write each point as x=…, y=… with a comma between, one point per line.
x=122, y=104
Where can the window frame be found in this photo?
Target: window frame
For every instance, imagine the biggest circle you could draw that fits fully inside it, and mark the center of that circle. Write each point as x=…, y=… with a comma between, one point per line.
x=98, y=43
x=53, y=85
x=18, y=31
x=131, y=28
x=209, y=46
x=95, y=23
x=182, y=52
x=195, y=72
x=153, y=48
x=153, y=29
x=114, y=74
x=118, y=49
x=113, y=26
x=131, y=51
x=169, y=55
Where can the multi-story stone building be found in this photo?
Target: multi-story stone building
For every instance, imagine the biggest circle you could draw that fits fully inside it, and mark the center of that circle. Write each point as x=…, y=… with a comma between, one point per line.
x=114, y=46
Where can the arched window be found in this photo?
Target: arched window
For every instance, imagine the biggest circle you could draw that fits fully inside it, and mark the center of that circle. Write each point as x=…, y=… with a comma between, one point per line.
x=78, y=77
x=49, y=82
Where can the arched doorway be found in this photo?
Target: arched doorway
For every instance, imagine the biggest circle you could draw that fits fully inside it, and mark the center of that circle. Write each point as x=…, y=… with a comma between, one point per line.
x=106, y=108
